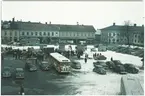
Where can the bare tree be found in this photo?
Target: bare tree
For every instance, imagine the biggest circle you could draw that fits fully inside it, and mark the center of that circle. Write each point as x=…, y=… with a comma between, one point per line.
x=127, y=33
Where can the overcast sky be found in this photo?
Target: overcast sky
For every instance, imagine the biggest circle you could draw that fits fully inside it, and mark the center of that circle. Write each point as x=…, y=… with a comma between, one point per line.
x=97, y=13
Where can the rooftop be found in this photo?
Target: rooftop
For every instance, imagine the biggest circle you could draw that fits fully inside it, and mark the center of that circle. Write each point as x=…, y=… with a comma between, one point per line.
x=37, y=26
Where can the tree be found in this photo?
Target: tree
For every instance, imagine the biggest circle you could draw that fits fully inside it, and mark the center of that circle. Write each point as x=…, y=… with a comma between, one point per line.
x=127, y=32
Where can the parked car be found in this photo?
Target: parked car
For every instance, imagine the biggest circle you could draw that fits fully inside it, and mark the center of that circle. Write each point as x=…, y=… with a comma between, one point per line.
x=99, y=69
x=6, y=72
x=44, y=65
x=117, y=62
x=30, y=66
x=100, y=57
x=130, y=68
x=120, y=69
x=93, y=49
x=102, y=63
x=19, y=73
x=110, y=64
x=75, y=64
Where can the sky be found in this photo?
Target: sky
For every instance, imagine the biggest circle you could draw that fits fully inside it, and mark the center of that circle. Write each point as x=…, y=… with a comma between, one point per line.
x=100, y=14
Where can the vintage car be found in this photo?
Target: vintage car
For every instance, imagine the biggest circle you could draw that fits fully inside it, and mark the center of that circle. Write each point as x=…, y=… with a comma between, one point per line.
x=100, y=57
x=117, y=62
x=19, y=73
x=130, y=68
x=75, y=64
x=44, y=65
x=93, y=49
x=6, y=72
x=120, y=69
x=102, y=63
x=99, y=69
x=30, y=66
x=110, y=64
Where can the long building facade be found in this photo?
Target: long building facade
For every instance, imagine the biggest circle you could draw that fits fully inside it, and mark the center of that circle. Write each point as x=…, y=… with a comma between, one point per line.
x=117, y=34
x=17, y=31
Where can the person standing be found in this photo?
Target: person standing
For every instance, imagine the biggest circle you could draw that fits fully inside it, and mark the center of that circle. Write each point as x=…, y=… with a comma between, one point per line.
x=21, y=90
x=111, y=59
x=85, y=60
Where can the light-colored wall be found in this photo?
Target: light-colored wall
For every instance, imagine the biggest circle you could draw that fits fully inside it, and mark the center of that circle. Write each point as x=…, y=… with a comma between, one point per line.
x=80, y=35
x=10, y=34
x=51, y=33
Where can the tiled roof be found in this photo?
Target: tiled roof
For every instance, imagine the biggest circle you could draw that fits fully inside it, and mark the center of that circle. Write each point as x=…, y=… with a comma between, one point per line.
x=51, y=27
x=77, y=28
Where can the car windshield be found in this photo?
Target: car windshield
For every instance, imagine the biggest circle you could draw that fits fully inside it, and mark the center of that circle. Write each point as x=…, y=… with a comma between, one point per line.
x=6, y=68
x=117, y=61
x=101, y=62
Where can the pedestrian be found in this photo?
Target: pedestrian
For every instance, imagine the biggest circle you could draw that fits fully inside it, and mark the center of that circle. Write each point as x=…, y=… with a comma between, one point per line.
x=111, y=59
x=21, y=90
x=85, y=60
x=142, y=63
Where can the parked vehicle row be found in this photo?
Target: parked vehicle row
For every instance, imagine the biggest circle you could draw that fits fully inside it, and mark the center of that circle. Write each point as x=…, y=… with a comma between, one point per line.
x=116, y=66
x=7, y=73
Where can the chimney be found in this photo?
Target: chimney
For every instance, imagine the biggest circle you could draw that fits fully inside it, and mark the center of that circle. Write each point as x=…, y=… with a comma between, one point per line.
x=113, y=24
x=77, y=23
x=134, y=24
x=50, y=22
x=142, y=25
x=45, y=22
x=13, y=19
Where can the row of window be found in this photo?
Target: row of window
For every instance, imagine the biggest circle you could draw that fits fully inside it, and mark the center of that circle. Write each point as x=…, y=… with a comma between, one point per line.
x=76, y=34
x=113, y=34
x=39, y=33
x=10, y=33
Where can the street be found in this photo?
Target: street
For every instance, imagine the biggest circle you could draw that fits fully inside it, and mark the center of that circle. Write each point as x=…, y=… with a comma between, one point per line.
x=79, y=82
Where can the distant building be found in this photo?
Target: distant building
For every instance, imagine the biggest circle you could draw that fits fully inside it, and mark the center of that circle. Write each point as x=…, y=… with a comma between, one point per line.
x=117, y=34
x=98, y=36
x=47, y=33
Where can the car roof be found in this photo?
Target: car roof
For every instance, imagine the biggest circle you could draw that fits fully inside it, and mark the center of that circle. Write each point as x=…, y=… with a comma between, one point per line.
x=19, y=69
x=99, y=66
x=44, y=62
x=7, y=67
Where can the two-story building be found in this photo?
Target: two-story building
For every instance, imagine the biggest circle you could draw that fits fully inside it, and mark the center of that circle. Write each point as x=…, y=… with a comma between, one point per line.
x=46, y=33
x=120, y=34
x=77, y=33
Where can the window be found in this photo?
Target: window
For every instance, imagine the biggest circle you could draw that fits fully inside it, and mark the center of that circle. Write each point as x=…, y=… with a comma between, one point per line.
x=36, y=33
x=118, y=34
x=27, y=33
x=48, y=34
x=40, y=33
x=113, y=34
x=135, y=41
x=31, y=33
x=23, y=33
x=44, y=33
x=135, y=35
x=117, y=40
x=10, y=38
